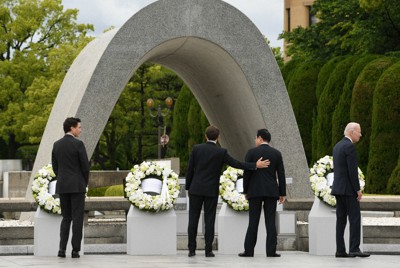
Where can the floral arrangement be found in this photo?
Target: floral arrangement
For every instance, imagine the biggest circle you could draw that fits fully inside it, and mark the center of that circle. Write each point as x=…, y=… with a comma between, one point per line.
x=319, y=182
x=40, y=190
x=228, y=192
x=143, y=201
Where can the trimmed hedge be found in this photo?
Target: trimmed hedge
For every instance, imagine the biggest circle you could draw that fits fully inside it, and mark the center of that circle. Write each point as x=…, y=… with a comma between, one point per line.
x=385, y=132
x=196, y=133
x=98, y=191
x=180, y=132
x=323, y=78
x=115, y=190
x=393, y=186
x=288, y=70
x=301, y=91
x=341, y=115
x=326, y=106
x=361, y=106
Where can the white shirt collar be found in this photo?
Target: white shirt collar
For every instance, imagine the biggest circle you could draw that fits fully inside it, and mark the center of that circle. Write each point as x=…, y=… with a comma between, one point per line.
x=215, y=142
x=69, y=133
x=349, y=139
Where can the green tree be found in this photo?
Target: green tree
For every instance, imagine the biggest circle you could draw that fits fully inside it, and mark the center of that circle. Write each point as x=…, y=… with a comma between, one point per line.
x=327, y=103
x=393, y=186
x=31, y=30
x=196, y=132
x=180, y=131
x=301, y=90
x=361, y=106
x=385, y=142
x=341, y=115
x=346, y=27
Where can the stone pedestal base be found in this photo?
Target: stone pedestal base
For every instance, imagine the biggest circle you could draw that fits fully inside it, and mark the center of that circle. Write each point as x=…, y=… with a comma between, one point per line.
x=322, y=230
x=232, y=227
x=47, y=234
x=151, y=233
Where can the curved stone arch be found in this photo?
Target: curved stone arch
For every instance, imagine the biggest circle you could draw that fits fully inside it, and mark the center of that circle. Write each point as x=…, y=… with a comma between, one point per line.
x=220, y=55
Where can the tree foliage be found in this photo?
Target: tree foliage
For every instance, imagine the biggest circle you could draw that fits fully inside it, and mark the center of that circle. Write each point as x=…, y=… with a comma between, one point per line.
x=38, y=41
x=361, y=105
x=347, y=27
x=385, y=132
x=393, y=186
x=341, y=115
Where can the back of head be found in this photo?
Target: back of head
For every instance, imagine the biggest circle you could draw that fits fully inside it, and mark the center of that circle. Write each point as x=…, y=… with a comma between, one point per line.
x=212, y=133
x=69, y=123
x=264, y=134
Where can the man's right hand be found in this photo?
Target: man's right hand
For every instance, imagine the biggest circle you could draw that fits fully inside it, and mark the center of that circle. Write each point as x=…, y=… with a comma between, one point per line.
x=262, y=163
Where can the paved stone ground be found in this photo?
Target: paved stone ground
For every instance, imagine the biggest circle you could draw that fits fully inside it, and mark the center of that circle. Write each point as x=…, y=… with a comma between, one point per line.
x=289, y=259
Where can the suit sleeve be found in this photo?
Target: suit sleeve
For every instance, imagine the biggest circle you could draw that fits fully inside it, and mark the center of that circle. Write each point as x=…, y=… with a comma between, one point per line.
x=84, y=162
x=190, y=170
x=247, y=174
x=54, y=162
x=229, y=160
x=280, y=170
x=352, y=164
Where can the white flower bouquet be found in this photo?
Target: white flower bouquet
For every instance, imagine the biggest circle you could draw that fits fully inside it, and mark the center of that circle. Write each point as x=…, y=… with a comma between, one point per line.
x=228, y=191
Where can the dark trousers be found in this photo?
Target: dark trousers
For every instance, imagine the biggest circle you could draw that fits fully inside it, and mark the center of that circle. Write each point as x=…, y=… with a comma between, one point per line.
x=255, y=206
x=72, y=210
x=348, y=206
x=210, y=209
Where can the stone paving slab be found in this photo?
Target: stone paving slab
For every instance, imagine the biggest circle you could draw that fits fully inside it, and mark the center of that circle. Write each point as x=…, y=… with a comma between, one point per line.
x=289, y=259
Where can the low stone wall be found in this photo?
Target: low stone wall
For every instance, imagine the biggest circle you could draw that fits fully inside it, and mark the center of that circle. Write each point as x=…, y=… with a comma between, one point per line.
x=18, y=181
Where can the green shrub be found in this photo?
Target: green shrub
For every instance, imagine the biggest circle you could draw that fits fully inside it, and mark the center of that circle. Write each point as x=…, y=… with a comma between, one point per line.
x=326, y=106
x=361, y=106
x=301, y=91
x=341, y=115
x=115, y=190
x=323, y=77
x=196, y=133
x=393, y=186
x=385, y=131
x=98, y=191
x=288, y=70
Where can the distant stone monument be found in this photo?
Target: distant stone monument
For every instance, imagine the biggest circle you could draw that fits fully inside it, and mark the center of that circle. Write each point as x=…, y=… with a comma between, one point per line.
x=216, y=50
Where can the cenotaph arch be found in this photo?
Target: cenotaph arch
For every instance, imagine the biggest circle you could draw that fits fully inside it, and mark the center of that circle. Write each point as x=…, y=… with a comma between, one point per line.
x=218, y=52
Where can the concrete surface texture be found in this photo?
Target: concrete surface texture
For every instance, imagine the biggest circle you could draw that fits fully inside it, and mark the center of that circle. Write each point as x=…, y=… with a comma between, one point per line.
x=216, y=50
x=293, y=259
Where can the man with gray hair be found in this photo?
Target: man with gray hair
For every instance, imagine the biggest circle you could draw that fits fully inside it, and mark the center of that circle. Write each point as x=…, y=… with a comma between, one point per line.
x=346, y=189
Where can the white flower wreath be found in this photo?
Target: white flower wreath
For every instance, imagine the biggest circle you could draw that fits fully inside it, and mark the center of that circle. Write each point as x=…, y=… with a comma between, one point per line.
x=40, y=190
x=134, y=193
x=321, y=178
x=228, y=191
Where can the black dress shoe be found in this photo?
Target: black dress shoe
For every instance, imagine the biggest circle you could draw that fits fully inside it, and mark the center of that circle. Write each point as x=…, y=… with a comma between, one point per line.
x=245, y=254
x=273, y=255
x=343, y=255
x=75, y=254
x=359, y=254
x=61, y=253
x=191, y=253
x=210, y=254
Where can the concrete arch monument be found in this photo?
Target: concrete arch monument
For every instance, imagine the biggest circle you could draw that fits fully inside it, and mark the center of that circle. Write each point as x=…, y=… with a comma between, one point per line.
x=216, y=50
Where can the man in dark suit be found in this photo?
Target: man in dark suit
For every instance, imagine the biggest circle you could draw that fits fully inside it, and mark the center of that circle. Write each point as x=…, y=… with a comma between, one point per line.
x=71, y=166
x=346, y=189
x=263, y=189
x=202, y=182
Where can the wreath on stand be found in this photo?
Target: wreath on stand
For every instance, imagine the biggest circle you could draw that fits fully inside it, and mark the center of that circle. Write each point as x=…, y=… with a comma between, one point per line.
x=321, y=178
x=40, y=190
x=146, y=201
x=228, y=189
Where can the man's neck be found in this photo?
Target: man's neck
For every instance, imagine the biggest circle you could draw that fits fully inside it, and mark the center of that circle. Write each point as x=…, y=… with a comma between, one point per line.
x=69, y=133
x=215, y=142
x=349, y=139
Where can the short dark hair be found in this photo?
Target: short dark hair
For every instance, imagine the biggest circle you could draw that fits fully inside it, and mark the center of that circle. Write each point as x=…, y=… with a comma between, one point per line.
x=212, y=133
x=264, y=134
x=69, y=123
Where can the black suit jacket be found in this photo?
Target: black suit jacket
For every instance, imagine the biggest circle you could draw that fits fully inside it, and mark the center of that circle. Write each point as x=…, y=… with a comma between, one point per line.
x=205, y=166
x=264, y=182
x=345, y=169
x=71, y=165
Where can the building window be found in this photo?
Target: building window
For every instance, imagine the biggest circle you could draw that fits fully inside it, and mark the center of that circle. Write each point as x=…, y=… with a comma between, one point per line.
x=312, y=19
x=288, y=19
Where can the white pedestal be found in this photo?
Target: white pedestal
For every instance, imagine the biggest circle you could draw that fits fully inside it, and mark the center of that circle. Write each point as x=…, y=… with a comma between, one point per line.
x=151, y=233
x=322, y=230
x=47, y=234
x=232, y=227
